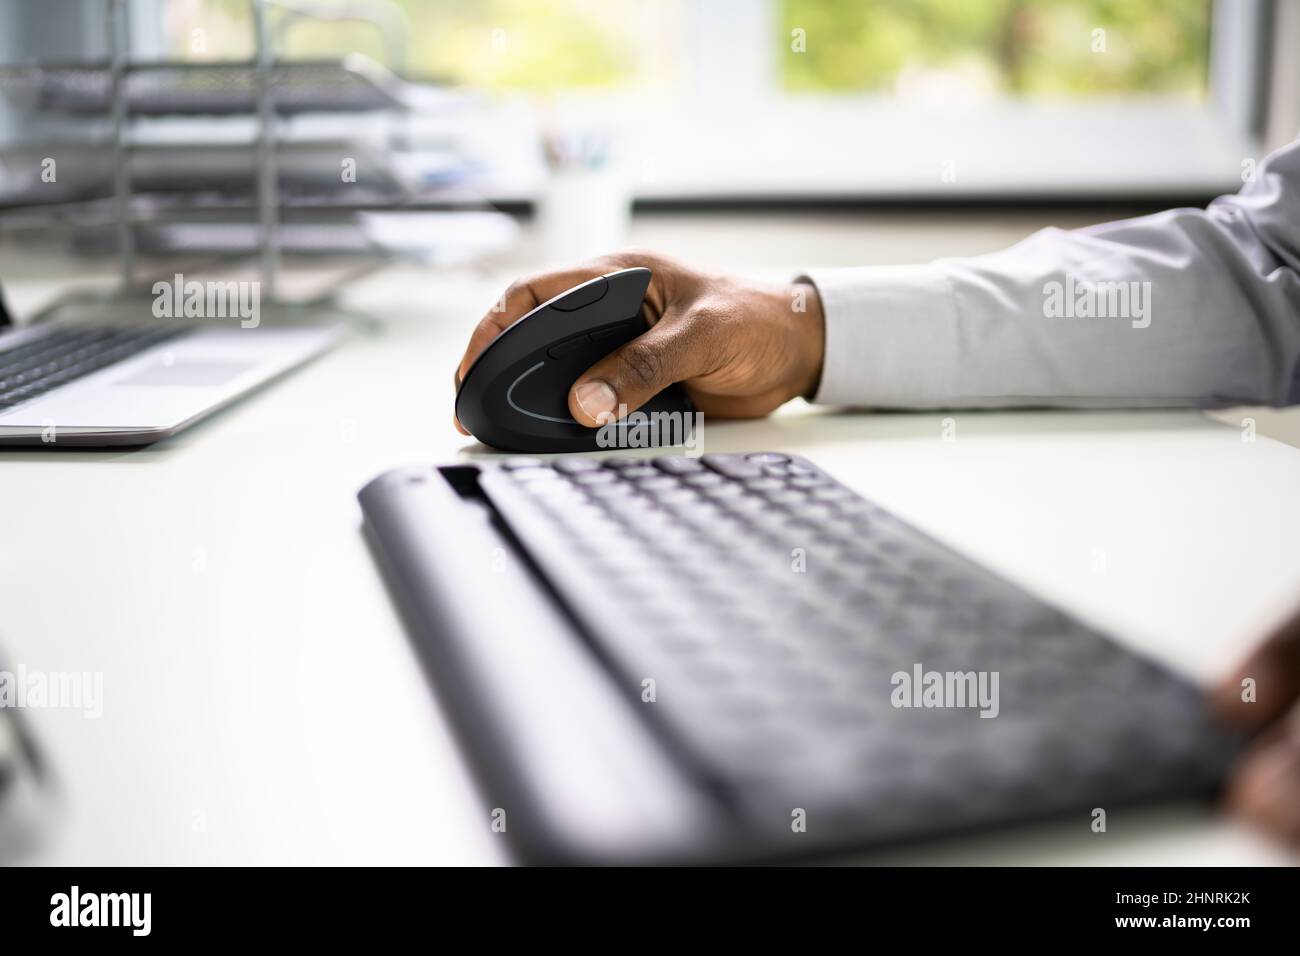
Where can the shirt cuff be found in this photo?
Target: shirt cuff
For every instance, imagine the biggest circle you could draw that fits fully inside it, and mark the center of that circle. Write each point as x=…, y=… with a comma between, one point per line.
x=891, y=336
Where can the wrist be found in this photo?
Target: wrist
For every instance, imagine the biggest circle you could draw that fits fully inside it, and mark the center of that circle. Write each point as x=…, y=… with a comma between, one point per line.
x=809, y=325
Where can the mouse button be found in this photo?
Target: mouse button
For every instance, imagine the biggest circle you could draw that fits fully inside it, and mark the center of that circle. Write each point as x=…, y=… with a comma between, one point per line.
x=611, y=331
x=584, y=295
x=568, y=346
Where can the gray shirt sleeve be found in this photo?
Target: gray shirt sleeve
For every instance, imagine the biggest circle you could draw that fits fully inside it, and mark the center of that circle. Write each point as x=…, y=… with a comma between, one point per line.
x=1189, y=307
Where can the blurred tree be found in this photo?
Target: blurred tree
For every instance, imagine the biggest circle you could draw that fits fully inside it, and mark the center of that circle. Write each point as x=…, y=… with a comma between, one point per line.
x=500, y=44
x=1016, y=47
x=522, y=44
x=1022, y=47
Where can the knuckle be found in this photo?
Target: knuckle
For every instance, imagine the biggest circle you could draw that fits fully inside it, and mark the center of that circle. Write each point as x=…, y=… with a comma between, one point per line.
x=636, y=255
x=610, y=261
x=705, y=314
x=519, y=287
x=710, y=320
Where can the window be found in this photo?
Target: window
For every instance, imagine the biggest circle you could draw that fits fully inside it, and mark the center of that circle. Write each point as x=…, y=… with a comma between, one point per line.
x=808, y=98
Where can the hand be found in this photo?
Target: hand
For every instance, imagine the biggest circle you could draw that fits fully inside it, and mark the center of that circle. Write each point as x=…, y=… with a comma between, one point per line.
x=741, y=348
x=1265, y=784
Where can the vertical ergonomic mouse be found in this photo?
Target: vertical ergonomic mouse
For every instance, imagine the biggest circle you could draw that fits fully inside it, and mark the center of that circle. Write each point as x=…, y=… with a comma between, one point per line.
x=515, y=396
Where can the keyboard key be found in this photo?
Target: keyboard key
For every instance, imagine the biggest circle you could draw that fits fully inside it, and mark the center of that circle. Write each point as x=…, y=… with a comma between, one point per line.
x=577, y=466
x=675, y=465
x=833, y=493
x=703, y=479
x=639, y=471
x=733, y=466
x=784, y=496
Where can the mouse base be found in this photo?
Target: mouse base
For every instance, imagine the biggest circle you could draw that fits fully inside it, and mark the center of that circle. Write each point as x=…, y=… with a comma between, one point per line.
x=667, y=420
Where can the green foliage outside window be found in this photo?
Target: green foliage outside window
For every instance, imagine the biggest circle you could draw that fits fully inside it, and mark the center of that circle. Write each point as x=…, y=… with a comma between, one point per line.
x=1018, y=47
x=1015, y=47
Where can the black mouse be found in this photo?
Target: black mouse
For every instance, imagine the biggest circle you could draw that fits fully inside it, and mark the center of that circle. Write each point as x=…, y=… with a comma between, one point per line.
x=515, y=396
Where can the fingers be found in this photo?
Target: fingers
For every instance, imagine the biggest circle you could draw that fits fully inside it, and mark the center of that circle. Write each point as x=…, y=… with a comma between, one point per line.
x=1265, y=786
x=519, y=299
x=455, y=379
x=673, y=350
x=1265, y=783
x=1267, y=683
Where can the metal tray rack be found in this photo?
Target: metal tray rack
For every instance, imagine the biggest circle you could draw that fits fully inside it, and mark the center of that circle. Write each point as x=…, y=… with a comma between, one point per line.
x=262, y=88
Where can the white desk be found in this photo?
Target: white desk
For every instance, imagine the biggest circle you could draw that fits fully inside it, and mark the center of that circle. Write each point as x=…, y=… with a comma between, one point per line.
x=263, y=704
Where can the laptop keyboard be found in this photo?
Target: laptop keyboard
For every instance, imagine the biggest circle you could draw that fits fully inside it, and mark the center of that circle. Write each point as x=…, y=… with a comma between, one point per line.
x=62, y=354
x=803, y=648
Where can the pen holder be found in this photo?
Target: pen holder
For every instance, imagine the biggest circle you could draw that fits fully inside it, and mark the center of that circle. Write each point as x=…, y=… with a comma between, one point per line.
x=584, y=212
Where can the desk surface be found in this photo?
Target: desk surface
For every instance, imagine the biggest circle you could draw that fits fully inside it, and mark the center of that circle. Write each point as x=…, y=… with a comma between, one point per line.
x=262, y=702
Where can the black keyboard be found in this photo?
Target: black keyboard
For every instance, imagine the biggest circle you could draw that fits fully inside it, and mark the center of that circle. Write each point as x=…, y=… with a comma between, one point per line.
x=61, y=354
x=799, y=648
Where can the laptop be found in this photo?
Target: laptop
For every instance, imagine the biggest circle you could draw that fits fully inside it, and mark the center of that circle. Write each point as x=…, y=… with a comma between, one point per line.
x=96, y=380
x=736, y=657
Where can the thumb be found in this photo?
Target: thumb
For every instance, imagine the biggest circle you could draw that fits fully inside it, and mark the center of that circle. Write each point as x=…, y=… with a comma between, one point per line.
x=626, y=379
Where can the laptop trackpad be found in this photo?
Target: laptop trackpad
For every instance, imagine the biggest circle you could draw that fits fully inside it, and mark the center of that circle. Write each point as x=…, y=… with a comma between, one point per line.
x=187, y=372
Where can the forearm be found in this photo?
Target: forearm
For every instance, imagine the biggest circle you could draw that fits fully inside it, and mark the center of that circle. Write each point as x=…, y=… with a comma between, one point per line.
x=1184, y=308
